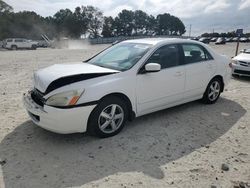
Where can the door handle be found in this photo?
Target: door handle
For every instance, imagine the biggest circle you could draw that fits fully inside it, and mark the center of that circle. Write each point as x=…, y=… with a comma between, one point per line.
x=178, y=73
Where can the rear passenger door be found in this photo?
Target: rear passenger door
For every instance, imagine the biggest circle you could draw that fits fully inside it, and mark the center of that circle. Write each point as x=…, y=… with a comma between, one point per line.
x=199, y=68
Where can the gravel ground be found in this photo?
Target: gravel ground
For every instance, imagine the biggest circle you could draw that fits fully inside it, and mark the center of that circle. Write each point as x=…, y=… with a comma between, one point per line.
x=192, y=145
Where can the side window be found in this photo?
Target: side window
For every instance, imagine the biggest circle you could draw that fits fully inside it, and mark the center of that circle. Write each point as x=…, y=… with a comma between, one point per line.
x=167, y=56
x=9, y=40
x=18, y=40
x=194, y=53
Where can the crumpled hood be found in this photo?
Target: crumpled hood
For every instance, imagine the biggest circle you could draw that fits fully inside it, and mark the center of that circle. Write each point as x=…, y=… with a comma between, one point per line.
x=58, y=75
x=242, y=57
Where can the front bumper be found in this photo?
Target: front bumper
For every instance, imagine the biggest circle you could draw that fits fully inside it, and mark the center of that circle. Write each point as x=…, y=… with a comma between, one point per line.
x=63, y=121
x=240, y=70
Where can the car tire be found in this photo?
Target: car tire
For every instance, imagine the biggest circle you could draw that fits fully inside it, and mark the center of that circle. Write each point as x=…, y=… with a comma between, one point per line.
x=213, y=91
x=13, y=47
x=108, y=118
x=33, y=47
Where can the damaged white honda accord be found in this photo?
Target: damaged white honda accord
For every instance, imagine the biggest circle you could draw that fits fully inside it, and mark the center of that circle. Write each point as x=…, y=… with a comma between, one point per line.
x=127, y=80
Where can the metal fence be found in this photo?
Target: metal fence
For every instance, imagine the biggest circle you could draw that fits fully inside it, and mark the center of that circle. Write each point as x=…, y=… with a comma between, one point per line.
x=121, y=38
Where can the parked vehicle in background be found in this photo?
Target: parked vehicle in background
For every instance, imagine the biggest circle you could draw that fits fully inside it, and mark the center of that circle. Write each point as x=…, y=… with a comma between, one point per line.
x=220, y=41
x=241, y=64
x=244, y=39
x=42, y=44
x=127, y=80
x=229, y=39
x=195, y=38
x=19, y=43
x=213, y=39
x=235, y=39
x=204, y=40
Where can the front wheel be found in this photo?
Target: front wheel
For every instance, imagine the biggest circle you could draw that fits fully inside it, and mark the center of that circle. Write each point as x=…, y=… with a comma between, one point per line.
x=108, y=118
x=213, y=91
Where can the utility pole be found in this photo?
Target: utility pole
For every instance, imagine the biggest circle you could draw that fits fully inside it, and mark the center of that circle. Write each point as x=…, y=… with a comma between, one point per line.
x=190, y=30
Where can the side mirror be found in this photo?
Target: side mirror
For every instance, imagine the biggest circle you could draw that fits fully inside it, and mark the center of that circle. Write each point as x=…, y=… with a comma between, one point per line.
x=152, y=67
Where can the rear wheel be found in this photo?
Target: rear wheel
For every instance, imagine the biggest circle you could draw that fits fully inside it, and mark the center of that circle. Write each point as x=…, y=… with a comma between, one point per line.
x=108, y=118
x=14, y=47
x=33, y=47
x=213, y=91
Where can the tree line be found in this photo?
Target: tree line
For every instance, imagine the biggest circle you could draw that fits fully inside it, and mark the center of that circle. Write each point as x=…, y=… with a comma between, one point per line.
x=87, y=20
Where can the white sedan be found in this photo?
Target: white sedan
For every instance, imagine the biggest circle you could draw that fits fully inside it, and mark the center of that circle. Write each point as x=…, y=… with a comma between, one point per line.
x=241, y=64
x=127, y=80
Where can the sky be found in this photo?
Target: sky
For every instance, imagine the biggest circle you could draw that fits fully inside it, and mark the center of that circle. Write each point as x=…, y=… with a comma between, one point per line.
x=202, y=15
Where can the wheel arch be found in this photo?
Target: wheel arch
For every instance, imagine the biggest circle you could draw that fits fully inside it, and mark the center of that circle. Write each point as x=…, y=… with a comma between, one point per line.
x=126, y=99
x=14, y=45
x=123, y=97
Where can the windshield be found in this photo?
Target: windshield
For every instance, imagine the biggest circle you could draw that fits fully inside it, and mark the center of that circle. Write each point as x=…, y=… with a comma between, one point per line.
x=121, y=56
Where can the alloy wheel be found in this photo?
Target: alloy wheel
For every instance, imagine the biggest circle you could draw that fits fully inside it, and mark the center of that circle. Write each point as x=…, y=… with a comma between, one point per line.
x=214, y=91
x=111, y=118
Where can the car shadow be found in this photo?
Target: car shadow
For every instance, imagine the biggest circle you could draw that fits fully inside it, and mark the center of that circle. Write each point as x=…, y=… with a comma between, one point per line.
x=38, y=158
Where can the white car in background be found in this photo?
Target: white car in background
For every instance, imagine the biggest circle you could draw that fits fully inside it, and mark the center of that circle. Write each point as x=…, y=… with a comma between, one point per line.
x=241, y=64
x=19, y=43
x=127, y=80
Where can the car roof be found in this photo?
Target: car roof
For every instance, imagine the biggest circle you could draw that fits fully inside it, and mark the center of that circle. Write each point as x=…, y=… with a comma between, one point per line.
x=14, y=38
x=155, y=41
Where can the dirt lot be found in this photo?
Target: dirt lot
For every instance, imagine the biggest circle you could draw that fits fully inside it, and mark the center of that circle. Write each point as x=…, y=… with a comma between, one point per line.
x=184, y=146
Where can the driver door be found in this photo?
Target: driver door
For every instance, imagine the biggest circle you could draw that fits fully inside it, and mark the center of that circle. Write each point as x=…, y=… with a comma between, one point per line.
x=160, y=89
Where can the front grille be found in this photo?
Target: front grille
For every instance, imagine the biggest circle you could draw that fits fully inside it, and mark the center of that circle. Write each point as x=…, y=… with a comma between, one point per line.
x=245, y=64
x=242, y=72
x=37, y=97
